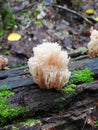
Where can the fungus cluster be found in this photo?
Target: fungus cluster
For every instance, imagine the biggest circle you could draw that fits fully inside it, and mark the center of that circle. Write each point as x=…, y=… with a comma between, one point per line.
x=93, y=44
x=3, y=62
x=49, y=66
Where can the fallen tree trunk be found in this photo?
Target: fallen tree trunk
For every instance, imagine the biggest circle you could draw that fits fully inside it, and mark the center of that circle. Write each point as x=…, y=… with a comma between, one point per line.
x=73, y=106
x=20, y=77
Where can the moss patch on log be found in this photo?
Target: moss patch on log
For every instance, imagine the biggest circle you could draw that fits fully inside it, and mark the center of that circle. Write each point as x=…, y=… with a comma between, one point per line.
x=69, y=89
x=7, y=111
x=78, y=77
x=81, y=76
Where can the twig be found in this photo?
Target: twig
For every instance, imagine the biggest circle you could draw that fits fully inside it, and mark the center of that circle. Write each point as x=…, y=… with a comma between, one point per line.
x=80, y=57
x=74, y=12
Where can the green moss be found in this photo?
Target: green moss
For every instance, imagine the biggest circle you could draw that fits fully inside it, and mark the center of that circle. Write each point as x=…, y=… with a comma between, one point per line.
x=96, y=123
x=83, y=52
x=35, y=13
x=30, y=122
x=2, y=32
x=7, y=111
x=25, y=13
x=24, y=124
x=69, y=89
x=38, y=22
x=8, y=52
x=9, y=21
x=6, y=17
x=19, y=65
x=77, y=77
x=81, y=76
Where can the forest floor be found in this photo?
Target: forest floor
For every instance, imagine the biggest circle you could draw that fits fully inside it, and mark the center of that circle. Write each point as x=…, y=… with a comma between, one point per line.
x=68, y=24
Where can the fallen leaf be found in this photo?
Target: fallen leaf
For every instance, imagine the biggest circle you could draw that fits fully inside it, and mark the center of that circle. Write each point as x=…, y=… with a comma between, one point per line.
x=89, y=11
x=14, y=36
x=75, y=3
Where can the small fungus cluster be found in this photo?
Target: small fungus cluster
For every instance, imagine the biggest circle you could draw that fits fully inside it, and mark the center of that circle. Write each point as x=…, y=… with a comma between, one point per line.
x=3, y=62
x=93, y=44
x=49, y=66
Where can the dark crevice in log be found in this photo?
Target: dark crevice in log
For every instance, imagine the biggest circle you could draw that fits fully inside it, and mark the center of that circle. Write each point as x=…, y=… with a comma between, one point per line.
x=37, y=99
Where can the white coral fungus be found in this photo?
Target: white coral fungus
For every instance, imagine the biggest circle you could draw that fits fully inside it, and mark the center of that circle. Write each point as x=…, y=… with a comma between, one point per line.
x=93, y=44
x=49, y=66
x=3, y=62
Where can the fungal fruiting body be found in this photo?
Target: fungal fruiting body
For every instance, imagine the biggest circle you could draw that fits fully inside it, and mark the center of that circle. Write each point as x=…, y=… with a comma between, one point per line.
x=93, y=44
x=49, y=66
x=3, y=62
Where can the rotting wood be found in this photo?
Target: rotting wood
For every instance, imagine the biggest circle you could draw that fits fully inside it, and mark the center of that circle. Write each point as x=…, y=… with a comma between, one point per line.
x=19, y=77
x=73, y=107
x=37, y=99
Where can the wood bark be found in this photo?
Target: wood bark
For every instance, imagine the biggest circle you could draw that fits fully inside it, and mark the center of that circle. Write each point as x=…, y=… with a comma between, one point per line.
x=69, y=109
x=21, y=77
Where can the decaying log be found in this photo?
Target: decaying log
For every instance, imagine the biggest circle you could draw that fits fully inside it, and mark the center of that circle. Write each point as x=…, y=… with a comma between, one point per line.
x=71, y=108
x=19, y=77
